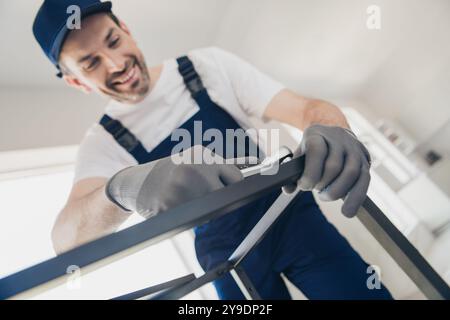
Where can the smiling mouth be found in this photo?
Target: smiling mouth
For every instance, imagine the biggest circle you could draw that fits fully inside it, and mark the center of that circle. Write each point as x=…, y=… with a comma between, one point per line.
x=129, y=77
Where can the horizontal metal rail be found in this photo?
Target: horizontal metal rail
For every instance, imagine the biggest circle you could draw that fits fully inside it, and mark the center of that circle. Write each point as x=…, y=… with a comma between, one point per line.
x=184, y=289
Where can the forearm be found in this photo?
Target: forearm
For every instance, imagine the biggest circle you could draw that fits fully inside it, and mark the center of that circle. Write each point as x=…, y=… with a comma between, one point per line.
x=86, y=219
x=324, y=113
x=303, y=112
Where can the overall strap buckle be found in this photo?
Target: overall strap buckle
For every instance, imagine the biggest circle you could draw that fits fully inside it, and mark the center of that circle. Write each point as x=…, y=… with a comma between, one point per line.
x=190, y=76
x=121, y=134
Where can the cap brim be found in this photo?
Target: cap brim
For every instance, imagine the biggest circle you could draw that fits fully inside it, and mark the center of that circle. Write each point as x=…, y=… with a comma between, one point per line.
x=59, y=40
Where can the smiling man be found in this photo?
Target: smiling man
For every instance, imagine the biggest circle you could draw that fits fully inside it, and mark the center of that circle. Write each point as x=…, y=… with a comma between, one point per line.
x=124, y=162
x=84, y=61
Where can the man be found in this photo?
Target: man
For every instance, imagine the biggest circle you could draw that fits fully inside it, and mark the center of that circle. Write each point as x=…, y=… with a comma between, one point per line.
x=124, y=162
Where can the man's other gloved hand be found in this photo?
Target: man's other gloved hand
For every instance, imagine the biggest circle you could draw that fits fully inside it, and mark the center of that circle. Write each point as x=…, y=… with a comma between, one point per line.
x=163, y=184
x=336, y=164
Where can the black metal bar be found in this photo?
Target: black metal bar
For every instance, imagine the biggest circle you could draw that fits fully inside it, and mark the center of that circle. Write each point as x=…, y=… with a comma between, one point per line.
x=403, y=252
x=182, y=290
x=160, y=227
x=156, y=289
x=244, y=283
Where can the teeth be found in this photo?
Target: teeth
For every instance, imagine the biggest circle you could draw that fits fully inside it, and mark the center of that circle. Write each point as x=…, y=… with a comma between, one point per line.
x=129, y=76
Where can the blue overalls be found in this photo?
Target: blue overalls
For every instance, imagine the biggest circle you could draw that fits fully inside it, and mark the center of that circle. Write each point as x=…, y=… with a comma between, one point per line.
x=302, y=244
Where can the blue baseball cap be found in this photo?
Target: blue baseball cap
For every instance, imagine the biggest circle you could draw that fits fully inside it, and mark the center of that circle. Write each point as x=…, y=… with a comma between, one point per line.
x=50, y=26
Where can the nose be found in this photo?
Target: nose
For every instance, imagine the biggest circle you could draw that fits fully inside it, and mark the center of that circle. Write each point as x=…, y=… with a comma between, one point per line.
x=114, y=62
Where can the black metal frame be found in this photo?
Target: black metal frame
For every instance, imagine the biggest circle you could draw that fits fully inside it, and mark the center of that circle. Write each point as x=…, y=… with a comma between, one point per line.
x=403, y=252
x=233, y=264
x=153, y=290
x=199, y=211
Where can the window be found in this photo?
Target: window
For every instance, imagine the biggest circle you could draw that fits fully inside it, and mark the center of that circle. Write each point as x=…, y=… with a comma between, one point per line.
x=31, y=200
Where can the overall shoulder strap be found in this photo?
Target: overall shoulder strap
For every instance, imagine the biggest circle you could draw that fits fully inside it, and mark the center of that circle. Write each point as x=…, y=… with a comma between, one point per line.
x=124, y=138
x=194, y=83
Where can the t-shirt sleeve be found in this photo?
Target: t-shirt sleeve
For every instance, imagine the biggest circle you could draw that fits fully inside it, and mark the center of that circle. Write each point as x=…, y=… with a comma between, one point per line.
x=99, y=155
x=253, y=88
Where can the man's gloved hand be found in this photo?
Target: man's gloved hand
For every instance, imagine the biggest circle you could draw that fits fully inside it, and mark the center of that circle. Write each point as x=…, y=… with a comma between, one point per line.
x=336, y=164
x=163, y=184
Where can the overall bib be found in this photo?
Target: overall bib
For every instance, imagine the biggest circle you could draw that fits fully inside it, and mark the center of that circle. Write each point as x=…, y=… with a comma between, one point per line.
x=302, y=244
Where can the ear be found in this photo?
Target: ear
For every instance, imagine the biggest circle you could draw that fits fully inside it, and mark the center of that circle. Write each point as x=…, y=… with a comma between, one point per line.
x=76, y=83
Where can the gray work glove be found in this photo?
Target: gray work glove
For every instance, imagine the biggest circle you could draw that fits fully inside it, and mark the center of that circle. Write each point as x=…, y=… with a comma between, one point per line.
x=336, y=164
x=157, y=186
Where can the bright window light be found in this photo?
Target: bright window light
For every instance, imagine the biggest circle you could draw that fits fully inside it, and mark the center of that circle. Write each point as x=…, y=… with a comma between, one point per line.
x=29, y=208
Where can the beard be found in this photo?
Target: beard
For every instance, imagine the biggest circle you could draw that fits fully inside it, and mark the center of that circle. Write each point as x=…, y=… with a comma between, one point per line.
x=137, y=90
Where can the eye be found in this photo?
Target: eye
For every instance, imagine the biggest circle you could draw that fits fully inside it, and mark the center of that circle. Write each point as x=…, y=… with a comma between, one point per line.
x=93, y=64
x=114, y=42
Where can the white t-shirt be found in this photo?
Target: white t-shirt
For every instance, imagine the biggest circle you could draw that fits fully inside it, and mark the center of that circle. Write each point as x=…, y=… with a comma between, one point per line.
x=238, y=87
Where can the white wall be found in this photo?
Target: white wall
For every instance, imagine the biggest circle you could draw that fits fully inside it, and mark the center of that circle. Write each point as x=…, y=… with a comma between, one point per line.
x=34, y=117
x=324, y=49
x=412, y=85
